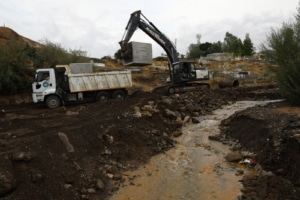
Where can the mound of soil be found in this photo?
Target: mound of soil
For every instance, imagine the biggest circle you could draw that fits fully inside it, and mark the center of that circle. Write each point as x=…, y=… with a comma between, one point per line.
x=272, y=134
x=80, y=151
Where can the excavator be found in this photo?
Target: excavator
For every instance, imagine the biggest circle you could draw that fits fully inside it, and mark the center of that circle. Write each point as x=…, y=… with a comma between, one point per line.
x=183, y=75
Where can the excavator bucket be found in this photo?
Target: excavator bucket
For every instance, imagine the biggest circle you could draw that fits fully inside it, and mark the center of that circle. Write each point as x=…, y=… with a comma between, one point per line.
x=136, y=54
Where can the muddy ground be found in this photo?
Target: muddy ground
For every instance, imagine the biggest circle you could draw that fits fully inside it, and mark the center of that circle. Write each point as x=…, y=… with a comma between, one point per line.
x=80, y=151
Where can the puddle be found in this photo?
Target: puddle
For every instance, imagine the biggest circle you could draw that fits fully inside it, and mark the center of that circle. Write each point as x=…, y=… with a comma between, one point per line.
x=194, y=169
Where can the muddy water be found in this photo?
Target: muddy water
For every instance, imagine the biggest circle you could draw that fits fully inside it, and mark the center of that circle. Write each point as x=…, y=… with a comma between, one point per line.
x=194, y=169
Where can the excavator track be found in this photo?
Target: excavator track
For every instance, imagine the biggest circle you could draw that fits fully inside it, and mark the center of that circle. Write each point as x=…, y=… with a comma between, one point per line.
x=180, y=88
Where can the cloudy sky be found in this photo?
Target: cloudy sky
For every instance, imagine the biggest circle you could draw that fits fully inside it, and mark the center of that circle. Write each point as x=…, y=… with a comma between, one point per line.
x=97, y=26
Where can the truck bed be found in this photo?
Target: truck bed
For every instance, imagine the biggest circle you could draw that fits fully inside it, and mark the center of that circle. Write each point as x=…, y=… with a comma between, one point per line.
x=84, y=82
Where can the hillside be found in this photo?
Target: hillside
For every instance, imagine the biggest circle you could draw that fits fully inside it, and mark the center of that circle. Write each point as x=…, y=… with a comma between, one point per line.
x=7, y=34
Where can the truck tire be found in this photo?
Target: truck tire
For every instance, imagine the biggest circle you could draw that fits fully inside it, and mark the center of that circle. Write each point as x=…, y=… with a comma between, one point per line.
x=118, y=94
x=102, y=96
x=53, y=101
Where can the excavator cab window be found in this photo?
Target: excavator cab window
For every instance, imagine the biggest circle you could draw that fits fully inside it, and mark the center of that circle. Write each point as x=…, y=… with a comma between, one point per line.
x=188, y=70
x=177, y=71
x=185, y=70
x=192, y=70
x=176, y=68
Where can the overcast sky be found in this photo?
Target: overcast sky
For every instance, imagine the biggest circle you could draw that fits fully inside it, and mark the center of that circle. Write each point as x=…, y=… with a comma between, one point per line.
x=97, y=26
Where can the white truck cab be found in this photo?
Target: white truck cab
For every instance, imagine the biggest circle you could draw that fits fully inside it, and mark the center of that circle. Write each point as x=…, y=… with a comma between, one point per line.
x=44, y=84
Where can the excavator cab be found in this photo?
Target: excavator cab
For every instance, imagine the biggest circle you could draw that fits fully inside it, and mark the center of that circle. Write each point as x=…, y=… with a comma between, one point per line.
x=186, y=72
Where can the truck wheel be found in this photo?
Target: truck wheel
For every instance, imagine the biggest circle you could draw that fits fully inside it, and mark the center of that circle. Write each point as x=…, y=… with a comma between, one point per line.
x=53, y=101
x=118, y=94
x=102, y=97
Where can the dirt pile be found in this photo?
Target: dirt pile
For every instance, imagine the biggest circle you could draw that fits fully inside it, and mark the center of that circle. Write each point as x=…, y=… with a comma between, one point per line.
x=274, y=139
x=80, y=151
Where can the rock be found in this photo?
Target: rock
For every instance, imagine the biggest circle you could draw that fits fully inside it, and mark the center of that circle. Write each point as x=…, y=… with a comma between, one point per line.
x=258, y=169
x=170, y=114
x=137, y=112
x=106, y=151
x=233, y=157
x=151, y=103
x=178, y=114
x=177, y=133
x=71, y=113
x=147, y=114
x=178, y=122
x=156, y=132
x=109, y=138
x=147, y=107
x=239, y=172
x=186, y=119
x=91, y=190
x=214, y=137
x=109, y=175
x=190, y=107
x=7, y=182
x=66, y=142
x=36, y=177
x=67, y=186
x=196, y=114
x=277, y=143
x=22, y=156
x=169, y=103
x=195, y=120
x=100, y=184
x=117, y=176
x=137, y=115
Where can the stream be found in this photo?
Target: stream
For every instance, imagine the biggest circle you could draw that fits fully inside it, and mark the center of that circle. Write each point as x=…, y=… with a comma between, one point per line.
x=194, y=169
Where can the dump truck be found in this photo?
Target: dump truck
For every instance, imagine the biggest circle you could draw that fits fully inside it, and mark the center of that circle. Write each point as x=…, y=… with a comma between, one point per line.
x=77, y=82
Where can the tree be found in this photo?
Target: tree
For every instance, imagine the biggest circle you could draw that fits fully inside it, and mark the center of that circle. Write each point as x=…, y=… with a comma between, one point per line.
x=284, y=44
x=201, y=49
x=232, y=44
x=51, y=54
x=206, y=48
x=194, y=51
x=248, y=48
x=216, y=47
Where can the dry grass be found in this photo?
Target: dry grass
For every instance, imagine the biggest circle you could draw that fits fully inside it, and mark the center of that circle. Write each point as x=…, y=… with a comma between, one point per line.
x=151, y=77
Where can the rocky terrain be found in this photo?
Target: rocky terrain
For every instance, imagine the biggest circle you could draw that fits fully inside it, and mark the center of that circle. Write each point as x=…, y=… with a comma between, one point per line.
x=80, y=151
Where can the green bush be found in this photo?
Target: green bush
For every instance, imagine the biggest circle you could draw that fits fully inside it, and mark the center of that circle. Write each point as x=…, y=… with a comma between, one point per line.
x=285, y=52
x=15, y=73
